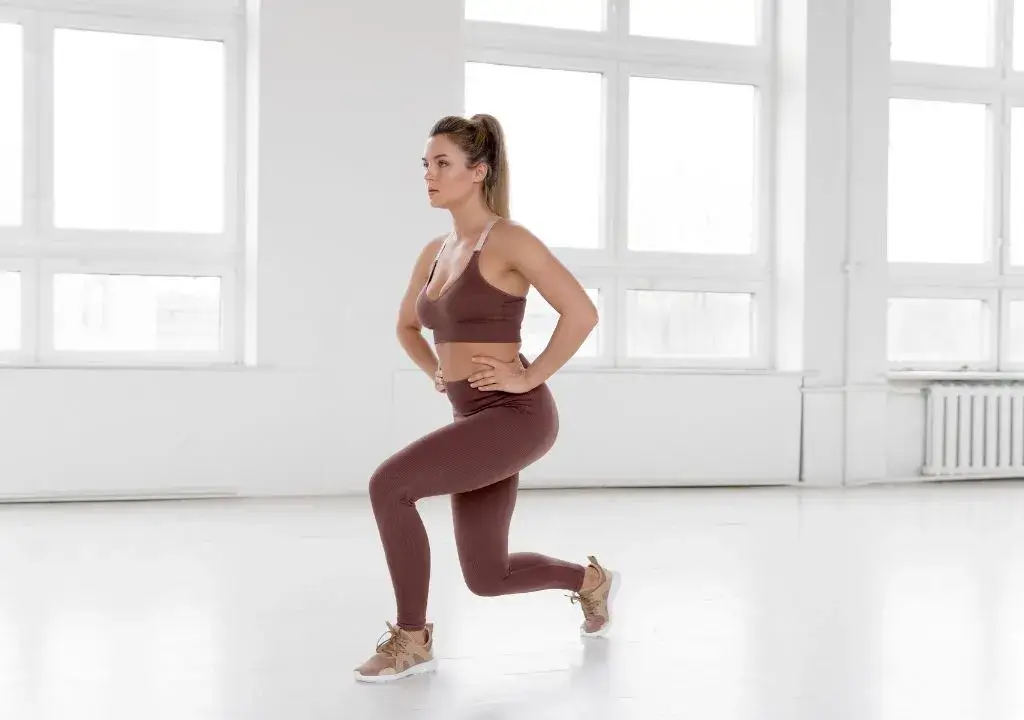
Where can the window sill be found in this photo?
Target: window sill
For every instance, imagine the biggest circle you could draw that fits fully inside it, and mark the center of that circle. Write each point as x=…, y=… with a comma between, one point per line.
x=955, y=375
x=171, y=367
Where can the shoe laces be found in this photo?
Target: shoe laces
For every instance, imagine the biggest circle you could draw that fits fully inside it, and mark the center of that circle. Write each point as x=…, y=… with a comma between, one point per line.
x=392, y=642
x=586, y=600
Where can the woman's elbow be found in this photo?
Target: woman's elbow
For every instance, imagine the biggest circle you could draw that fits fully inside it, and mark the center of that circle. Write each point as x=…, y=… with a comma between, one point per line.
x=588, y=317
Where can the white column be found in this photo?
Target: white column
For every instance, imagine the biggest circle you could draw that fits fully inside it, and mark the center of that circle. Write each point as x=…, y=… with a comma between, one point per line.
x=867, y=386
x=813, y=45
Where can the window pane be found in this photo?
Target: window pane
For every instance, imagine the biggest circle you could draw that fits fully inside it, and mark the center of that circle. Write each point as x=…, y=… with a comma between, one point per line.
x=691, y=166
x=10, y=124
x=10, y=311
x=722, y=21
x=1015, y=343
x=566, y=14
x=540, y=321
x=134, y=312
x=947, y=32
x=552, y=123
x=1017, y=186
x=937, y=182
x=670, y=324
x=138, y=132
x=938, y=330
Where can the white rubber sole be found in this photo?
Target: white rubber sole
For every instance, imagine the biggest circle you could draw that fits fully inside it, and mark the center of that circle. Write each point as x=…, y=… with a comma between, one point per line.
x=424, y=667
x=603, y=632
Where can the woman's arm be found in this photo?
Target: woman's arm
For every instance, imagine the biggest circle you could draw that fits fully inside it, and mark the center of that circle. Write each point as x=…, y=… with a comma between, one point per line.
x=409, y=329
x=577, y=315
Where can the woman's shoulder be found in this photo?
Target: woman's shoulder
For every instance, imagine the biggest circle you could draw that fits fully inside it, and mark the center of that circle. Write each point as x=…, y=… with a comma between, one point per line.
x=510, y=236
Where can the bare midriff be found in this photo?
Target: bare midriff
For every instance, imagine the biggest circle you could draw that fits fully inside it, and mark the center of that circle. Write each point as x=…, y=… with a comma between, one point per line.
x=457, y=357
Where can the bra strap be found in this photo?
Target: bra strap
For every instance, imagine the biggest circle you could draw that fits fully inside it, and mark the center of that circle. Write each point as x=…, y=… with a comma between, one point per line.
x=437, y=257
x=483, y=235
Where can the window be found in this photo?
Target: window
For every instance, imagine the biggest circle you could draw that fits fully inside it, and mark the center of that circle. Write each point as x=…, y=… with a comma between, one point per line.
x=691, y=190
x=11, y=136
x=938, y=169
x=138, y=132
x=567, y=14
x=688, y=324
x=641, y=164
x=137, y=313
x=933, y=330
x=945, y=32
x=548, y=163
x=130, y=137
x=956, y=163
x=720, y=21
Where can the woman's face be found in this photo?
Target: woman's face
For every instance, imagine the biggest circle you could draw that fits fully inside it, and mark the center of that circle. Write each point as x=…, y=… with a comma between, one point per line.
x=449, y=181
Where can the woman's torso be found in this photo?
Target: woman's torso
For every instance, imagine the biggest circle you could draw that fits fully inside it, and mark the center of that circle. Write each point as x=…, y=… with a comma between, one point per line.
x=468, y=274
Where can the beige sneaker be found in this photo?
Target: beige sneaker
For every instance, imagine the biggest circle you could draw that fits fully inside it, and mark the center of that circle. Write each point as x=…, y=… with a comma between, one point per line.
x=597, y=603
x=398, y=656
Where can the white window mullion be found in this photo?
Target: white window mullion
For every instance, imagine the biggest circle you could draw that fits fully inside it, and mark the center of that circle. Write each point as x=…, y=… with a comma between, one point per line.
x=32, y=51
x=1003, y=34
x=1002, y=155
x=44, y=138
x=997, y=159
x=618, y=158
x=618, y=20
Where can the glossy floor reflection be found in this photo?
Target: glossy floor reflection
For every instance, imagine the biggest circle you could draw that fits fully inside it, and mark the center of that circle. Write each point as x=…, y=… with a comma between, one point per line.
x=893, y=603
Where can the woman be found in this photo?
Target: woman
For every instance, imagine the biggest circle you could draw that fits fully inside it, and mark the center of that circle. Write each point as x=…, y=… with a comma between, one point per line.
x=470, y=289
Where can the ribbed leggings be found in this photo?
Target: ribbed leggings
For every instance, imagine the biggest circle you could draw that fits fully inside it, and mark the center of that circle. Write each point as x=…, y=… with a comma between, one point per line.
x=476, y=459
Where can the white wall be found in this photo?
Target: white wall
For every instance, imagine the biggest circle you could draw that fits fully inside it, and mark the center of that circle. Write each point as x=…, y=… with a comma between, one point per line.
x=347, y=92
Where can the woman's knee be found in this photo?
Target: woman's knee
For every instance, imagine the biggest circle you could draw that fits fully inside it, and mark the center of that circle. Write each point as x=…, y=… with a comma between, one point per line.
x=485, y=585
x=388, y=483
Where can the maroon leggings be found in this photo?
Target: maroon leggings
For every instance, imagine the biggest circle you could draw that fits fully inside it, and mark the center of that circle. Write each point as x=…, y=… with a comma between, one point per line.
x=476, y=460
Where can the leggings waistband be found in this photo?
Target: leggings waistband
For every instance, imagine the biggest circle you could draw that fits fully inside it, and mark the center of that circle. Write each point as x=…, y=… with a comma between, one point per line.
x=466, y=399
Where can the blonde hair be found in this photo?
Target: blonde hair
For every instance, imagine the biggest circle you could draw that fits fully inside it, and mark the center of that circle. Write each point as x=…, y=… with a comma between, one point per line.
x=482, y=139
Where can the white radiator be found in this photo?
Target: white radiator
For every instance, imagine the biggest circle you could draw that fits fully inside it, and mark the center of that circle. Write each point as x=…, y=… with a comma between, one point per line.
x=974, y=430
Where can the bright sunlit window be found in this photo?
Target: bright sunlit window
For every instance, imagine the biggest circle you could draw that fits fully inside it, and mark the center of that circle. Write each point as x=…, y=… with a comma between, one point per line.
x=119, y=155
x=11, y=132
x=956, y=175
x=139, y=132
x=658, y=157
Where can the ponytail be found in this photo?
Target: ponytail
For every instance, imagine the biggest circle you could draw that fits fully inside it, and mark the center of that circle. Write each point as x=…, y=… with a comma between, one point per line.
x=496, y=184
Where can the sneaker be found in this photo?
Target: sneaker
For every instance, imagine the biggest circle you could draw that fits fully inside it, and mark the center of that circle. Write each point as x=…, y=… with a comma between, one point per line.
x=398, y=656
x=597, y=603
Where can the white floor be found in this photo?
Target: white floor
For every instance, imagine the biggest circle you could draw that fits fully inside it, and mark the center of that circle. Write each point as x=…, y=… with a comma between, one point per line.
x=895, y=603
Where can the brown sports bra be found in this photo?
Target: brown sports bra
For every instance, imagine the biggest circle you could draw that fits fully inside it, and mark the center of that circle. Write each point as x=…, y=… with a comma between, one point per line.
x=470, y=309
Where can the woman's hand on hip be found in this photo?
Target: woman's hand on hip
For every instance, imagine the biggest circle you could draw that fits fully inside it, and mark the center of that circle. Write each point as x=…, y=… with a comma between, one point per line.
x=507, y=377
x=439, y=380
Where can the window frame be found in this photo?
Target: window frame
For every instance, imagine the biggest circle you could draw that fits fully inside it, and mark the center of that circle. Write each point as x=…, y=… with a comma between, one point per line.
x=619, y=56
x=996, y=280
x=45, y=249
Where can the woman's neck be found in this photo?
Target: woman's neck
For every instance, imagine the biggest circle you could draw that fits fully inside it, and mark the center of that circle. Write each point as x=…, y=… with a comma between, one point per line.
x=470, y=220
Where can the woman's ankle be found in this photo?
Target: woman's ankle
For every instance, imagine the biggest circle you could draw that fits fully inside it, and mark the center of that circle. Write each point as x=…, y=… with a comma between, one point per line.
x=591, y=579
x=419, y=634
